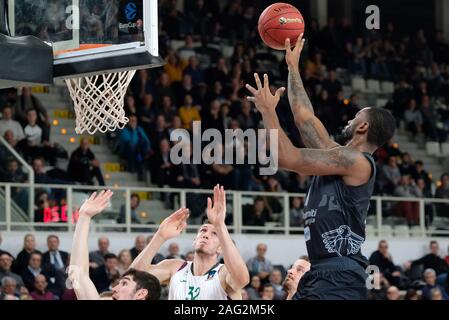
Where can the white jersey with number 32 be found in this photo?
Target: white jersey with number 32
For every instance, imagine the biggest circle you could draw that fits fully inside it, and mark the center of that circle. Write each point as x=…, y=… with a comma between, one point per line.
x=185, y=286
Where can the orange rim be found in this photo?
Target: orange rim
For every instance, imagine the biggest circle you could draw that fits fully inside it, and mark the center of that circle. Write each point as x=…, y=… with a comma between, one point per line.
x=84, y=46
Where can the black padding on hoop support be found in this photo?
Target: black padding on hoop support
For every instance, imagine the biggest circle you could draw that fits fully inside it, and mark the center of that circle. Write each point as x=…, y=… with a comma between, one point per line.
x=141, y=60
x=25, y=61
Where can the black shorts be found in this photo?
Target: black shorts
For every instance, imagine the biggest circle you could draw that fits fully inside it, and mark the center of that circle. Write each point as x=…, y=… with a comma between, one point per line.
x=339, y=278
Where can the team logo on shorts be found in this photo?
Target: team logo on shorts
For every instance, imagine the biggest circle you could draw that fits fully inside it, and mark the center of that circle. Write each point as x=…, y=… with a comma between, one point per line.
x=342, y=241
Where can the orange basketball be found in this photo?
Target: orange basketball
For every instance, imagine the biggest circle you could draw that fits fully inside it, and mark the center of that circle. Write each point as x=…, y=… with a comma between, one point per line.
x=279, y=22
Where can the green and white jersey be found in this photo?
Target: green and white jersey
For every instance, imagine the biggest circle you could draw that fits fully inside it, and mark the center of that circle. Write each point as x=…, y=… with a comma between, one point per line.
x=185, y=286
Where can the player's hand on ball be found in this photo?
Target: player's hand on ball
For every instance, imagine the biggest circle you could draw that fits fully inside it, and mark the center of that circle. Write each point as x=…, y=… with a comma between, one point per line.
x=172, y=226
x=96, y=203
x=292, y=55
x=216, y=213
x=262, y=96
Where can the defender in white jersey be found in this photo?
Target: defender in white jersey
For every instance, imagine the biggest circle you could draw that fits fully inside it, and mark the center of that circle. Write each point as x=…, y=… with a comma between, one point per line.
x=204, y=278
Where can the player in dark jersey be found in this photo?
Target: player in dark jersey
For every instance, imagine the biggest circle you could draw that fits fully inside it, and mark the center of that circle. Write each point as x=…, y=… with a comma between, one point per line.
x=343, y=179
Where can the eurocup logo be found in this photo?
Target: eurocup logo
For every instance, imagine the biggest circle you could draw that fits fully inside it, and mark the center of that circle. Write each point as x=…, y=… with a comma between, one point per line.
x=130, y=11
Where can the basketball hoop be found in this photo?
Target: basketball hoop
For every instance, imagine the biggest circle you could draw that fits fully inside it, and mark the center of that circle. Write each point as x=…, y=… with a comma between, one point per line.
x=99, y=101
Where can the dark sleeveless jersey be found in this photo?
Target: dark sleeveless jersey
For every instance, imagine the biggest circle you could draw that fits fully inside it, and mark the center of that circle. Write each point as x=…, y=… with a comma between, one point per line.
x=335, y=216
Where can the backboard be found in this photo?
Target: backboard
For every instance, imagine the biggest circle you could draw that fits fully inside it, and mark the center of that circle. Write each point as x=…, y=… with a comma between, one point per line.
x=91, y=36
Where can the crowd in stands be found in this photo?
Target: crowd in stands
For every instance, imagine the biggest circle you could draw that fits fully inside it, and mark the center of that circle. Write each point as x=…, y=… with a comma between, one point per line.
x=36, y=275
x=199, y=83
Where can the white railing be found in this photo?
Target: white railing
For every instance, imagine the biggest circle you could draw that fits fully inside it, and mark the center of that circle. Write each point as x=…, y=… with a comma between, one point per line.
x=236, y=201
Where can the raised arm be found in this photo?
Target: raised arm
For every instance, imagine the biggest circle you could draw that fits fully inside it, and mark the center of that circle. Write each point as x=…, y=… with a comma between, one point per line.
x=171, y=227
x=313, y=133
x=79, y=260
x=235, y=270
x=343, y=161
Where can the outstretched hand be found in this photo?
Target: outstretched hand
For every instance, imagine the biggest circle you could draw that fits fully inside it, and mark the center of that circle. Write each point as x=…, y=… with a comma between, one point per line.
x=216, y=213
x=262, y=96
x=292, y=55
x=96, y=203
x=173, y=225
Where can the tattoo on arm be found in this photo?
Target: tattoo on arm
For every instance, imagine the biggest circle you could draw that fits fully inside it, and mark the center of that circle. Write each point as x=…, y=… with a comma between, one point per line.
x=297, y=94
x=312, y=137
x=342, y=158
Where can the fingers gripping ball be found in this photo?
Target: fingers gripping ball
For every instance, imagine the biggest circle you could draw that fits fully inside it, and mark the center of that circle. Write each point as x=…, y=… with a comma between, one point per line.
x=279, y=22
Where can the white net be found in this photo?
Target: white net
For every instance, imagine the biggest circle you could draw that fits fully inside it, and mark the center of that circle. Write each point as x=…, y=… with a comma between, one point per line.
x=99, y=101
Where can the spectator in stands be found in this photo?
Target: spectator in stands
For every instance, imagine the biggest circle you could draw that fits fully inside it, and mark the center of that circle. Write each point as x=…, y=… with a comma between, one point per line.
x=7, y=123
x=186, y=87
x=5, y=153
x=40, y=292
x=8, y=291
x=36, y=144
x=135, y=202
x=5, y=270
x=14, y=172
x=134, y=146
x=412, y=294
x=25, y=294
x=42, y=177
x=436, y=294
x=83, y=166
x=55, y=258
x=413, y=118
x=34, y=268
x=163, y=170
x=158, y=257
x=430, y=117
x=433, y=261
x=296, y=212
x=194, y=70
x=259, y=265
x=130, y=106
x=276, y=280
x=393, y=293
x=96, y=258
x=254, y=287
x=430, y=278
x=188, y=175
x=160, y=132
x=408, y=189
x=173, y=252
x=187, y=50
x=189, y=112
x=27, y=101
x=174, y=66
x=104, y=276
x=29, y=246
x=139, y=245
x=384, y=261
x=332, y=85
x=147, y=113
x=267, y=292
x=420, y=173
x=164, y=89
x=391, y=174
x=294, y=275
x=407, y=166
x=442, y=192
x=246, y=117
x=259, y=214
x=124, y=261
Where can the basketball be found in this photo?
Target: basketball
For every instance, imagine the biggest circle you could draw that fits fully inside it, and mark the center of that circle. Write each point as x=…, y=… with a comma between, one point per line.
x=279, y=22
